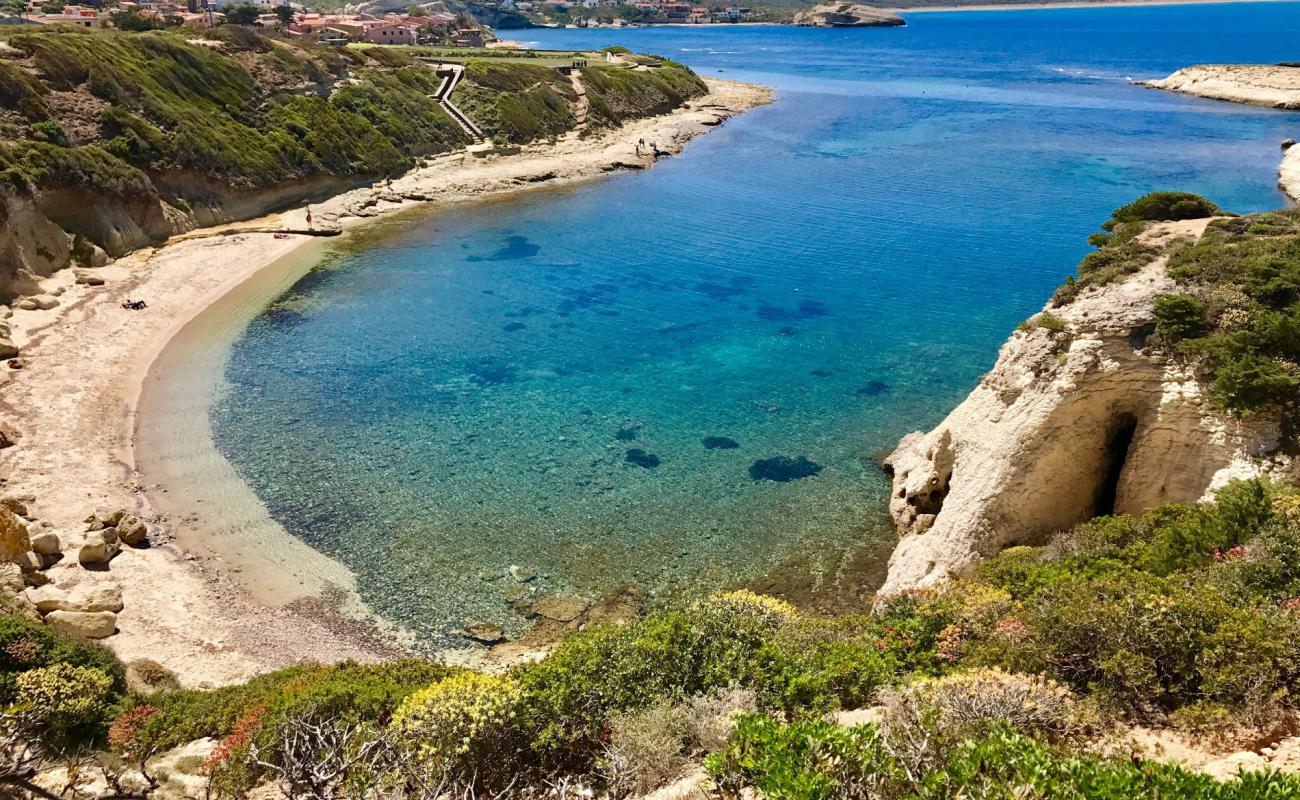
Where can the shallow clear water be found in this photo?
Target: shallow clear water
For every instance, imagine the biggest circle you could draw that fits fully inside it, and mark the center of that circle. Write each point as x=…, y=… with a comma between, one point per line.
x=531, y=381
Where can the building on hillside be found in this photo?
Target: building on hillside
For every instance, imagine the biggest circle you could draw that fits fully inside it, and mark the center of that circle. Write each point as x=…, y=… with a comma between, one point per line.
x=218, y=4
x=676, y=12
x=699, y=16
x=467, y=37
x=393, y=33
x=76, y=16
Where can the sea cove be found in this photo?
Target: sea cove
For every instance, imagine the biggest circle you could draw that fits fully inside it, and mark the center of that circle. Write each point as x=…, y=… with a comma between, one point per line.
x=592, y=383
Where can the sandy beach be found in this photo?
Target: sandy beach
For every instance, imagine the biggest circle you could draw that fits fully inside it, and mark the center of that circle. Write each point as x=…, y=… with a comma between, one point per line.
x=111, y=405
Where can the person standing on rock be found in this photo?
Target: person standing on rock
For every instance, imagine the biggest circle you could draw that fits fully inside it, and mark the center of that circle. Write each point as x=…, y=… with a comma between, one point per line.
x=309, y=218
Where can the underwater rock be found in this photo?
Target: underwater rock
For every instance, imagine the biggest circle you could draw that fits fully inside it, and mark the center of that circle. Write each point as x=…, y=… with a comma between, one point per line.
x=521, y=574
x=489, y=373
x=873, y=389
x=484, y=632
x=560, y=608
x=625, y=434
x=720, y=443
x=641, y=458
x=511, y=327
x=783, y=468
x=820, y=373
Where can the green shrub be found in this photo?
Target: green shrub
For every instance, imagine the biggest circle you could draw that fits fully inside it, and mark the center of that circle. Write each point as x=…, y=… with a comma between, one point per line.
x=1050, y=322
x=818, y=760
x=1179, y=316
x=348, y=690
x=72, y=703
x=26, y=645
x=1166, y=207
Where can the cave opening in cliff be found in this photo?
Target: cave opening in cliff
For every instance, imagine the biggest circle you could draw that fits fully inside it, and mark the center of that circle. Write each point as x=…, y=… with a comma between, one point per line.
x=1118, y=441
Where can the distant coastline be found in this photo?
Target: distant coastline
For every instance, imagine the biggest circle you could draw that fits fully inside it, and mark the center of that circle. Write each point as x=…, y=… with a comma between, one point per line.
x=1041, y=6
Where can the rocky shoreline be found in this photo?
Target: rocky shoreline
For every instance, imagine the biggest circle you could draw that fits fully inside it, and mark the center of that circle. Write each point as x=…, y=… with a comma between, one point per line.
x=69, y=399
x=1271, y=85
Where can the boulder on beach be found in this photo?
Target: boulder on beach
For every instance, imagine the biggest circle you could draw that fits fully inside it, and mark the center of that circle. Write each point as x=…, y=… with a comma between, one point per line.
x=46, y=543
x=84, y=624
x=20, y=504
x=87, y=278
x=132, y=530
x=104, y=518
x=9, y=435
x=14, y=539
x=98, y=548
x=11, y=579
x=8, y=349
x=38, y=302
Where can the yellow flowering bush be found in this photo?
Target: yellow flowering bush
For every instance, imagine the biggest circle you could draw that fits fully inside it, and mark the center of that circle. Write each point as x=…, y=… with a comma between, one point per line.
x=759, y=607
x=62, y=691
x=464, y=718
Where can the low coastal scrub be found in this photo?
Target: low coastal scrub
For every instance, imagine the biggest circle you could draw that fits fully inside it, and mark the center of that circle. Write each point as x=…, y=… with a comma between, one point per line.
x=1239, y=318
x=818, y=760
x=1188, y=616
x=1236, y=314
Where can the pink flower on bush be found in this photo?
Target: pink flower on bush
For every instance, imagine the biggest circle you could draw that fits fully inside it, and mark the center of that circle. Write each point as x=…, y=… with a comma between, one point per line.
x=949, y=644
x=1011, y=630
x=245, y=727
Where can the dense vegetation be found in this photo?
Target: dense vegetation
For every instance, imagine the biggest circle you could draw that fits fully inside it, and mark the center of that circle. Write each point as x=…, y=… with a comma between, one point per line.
x=1187, y=616
x=1236, y=316
x=1240, y=315
x=118, y=110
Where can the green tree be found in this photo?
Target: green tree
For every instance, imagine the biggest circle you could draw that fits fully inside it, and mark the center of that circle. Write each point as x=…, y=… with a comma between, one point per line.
x=284, y=14
x=244, y=14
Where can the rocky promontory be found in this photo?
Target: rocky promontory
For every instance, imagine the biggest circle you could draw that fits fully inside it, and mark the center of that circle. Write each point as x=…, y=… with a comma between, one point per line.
x=1123, y=394
x=847, y=15
x=1272, y=85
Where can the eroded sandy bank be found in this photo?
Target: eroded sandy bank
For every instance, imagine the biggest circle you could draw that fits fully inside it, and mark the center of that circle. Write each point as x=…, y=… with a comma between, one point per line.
x=84, y=365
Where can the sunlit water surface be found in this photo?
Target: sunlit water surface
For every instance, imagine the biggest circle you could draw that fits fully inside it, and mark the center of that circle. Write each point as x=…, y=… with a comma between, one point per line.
x=585, y=383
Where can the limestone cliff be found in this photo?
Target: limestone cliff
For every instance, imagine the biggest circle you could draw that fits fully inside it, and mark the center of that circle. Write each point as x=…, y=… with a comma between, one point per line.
x=1273, y=85
x=1080, y=416
x=1288, y=173
x=846, y=15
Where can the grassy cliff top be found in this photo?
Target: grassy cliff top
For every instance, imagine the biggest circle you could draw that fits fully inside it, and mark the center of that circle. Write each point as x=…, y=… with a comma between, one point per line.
x=111, y=109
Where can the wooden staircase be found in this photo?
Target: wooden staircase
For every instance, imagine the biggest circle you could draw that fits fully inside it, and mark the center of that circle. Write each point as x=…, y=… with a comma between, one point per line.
x=451, y=75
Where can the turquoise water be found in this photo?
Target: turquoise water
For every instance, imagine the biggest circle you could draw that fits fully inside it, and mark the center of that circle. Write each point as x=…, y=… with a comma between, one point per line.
x=532, y=381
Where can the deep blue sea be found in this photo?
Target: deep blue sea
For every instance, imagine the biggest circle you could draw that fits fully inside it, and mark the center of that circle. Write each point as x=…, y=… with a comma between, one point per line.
x=532, y=381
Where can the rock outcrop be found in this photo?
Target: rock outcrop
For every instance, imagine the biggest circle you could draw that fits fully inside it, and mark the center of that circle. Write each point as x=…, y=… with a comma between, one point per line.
x=1288, y=173
x=847, y=15
x=1078, y=418
x=1272, y=85
x=14, y=538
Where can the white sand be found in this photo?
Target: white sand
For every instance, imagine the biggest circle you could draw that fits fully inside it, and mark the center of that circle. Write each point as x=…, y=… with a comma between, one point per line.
x=226, y=593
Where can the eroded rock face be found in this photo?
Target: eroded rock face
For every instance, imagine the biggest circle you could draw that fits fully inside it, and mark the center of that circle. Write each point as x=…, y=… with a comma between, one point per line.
x=847, y=15
x=1067, y=425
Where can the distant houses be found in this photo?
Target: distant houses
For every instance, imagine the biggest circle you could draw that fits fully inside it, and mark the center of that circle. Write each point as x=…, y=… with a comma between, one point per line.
x=291, y=18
